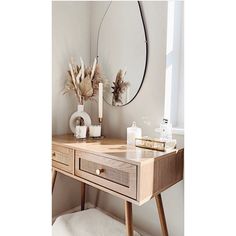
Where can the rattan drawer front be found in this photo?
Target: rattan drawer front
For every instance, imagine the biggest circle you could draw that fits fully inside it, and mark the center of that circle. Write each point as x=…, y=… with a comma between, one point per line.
x=64, y=150
x=112, y=174
x=63, y=158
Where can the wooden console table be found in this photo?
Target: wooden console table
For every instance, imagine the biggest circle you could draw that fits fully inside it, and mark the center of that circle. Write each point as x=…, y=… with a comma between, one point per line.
x=133, y=174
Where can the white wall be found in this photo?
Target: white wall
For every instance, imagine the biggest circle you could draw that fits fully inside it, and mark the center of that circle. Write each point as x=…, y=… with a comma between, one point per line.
x=147, y=110
x=70, y=37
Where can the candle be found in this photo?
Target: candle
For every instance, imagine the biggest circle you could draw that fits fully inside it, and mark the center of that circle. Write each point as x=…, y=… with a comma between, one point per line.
x=100, y=100
x=95, y=130
x=80, y=131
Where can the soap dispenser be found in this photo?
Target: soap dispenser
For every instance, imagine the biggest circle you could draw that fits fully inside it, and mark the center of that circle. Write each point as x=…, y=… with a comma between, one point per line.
x=132, y=133
x=165, y=130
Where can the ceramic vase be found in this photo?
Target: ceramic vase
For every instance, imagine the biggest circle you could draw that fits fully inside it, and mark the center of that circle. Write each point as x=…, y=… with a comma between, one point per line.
x=80, y=113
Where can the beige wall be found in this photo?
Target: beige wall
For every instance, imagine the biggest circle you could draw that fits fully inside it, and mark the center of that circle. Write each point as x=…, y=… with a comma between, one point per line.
x=147, y=110
x=70, y=37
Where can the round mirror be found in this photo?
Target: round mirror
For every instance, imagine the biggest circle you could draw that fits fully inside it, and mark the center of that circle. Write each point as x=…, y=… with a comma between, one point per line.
x=122, y=51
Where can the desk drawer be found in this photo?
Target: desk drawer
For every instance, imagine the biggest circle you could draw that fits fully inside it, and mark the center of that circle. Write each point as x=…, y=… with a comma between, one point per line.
x=112, y=174
x=63, y=158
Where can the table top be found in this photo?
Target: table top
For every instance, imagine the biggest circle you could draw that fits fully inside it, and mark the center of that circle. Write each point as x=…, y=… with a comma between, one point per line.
x=111, y=148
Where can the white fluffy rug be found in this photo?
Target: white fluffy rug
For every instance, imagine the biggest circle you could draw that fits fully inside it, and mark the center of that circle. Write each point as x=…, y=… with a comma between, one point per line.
x=91, y=222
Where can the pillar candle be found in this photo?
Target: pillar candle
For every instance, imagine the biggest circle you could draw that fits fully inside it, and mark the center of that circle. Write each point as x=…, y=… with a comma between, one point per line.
x=100, y=100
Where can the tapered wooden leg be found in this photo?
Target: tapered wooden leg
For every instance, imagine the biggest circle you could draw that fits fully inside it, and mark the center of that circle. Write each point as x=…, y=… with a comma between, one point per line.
x=97, y=198
x=128, y=218
x=161, y=215
x=54, y=175
x=82, y=195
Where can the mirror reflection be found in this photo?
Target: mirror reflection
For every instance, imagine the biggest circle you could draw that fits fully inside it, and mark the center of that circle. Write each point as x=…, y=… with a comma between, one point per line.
x=122, y=51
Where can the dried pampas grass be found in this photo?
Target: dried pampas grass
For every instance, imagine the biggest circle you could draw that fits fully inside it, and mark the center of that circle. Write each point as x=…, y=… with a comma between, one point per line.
x=119, y=87
x=83, y=81
x=86, y=88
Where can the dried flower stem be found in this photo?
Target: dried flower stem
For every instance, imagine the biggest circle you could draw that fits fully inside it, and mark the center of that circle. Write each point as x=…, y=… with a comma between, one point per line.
x=83, y=80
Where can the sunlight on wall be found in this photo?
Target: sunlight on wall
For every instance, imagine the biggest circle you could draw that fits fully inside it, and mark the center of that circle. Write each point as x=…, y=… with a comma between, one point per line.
x=170, y=27
x=168, y=85
x=174, y=65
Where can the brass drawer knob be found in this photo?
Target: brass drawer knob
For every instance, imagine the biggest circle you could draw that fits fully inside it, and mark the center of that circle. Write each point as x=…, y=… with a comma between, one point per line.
x=99, y=171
